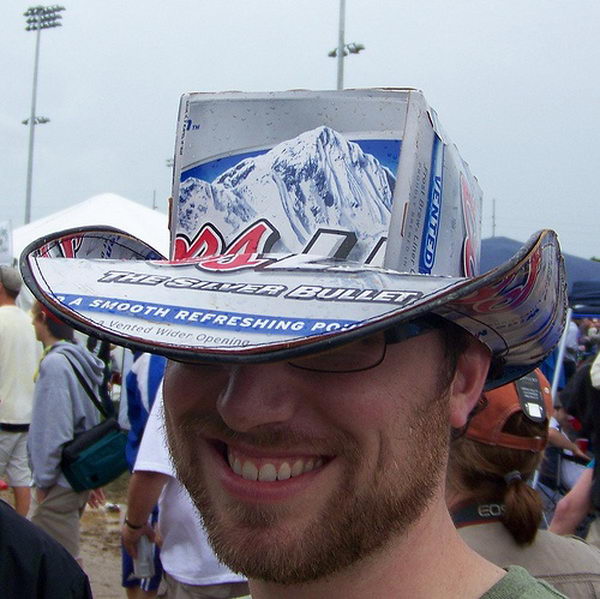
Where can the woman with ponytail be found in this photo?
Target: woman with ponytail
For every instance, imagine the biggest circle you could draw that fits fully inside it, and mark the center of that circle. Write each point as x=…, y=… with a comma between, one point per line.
x=491, y=502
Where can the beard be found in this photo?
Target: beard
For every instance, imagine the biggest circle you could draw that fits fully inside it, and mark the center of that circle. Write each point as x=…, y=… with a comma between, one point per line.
x=358, y=519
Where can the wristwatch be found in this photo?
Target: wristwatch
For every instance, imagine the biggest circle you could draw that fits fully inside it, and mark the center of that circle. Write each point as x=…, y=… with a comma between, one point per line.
x=133, y=526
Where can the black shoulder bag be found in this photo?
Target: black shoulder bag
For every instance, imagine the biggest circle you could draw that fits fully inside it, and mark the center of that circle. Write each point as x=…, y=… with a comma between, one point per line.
x=96, y=456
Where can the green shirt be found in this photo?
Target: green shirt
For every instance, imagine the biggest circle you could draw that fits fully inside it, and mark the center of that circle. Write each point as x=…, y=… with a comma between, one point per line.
x=519, y=584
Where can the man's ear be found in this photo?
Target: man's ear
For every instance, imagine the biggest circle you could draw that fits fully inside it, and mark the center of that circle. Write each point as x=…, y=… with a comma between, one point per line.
x=471, y=371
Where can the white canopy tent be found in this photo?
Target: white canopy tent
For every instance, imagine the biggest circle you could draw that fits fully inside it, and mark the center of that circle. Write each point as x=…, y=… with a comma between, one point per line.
x=107, y=209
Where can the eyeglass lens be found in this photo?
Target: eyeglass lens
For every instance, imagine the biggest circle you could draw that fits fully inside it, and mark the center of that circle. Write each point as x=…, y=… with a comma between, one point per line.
x=359, y=355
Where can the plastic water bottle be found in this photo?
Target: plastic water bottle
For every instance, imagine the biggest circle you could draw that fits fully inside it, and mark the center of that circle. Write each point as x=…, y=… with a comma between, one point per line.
x=143, y=565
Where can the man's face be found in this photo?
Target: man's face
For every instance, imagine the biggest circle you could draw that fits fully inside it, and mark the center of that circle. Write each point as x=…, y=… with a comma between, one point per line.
x=36, y=319
x=298, y=473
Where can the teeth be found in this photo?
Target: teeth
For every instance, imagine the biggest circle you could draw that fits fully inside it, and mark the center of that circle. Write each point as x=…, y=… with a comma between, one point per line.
x=249, y=471
x=285, y=471
x=237, y=467
x=268, y=472
x=298, y=468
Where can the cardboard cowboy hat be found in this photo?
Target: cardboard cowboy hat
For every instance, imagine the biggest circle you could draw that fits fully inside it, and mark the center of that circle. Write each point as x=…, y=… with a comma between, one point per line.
x=301, y=221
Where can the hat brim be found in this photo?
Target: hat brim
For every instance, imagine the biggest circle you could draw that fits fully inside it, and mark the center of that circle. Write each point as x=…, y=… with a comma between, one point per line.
x=258, y=308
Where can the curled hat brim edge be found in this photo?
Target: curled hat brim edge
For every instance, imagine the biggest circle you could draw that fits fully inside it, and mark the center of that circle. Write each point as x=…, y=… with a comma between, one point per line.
x=517, y=309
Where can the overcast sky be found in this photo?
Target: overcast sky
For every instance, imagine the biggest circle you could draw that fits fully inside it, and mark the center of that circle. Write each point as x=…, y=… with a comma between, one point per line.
x=515, y=83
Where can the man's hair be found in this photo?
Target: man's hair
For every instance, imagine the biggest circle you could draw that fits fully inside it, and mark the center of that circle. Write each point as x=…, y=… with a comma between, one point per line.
x=477, y=471
x=60, y=330
x=456, y=341
x=57, y=327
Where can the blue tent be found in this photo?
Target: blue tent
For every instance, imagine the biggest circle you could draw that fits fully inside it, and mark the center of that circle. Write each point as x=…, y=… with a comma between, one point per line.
x=585, y=298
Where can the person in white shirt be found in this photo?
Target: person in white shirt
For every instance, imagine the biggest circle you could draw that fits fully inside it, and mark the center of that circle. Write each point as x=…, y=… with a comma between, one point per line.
x=190, y=566
x=19, y=356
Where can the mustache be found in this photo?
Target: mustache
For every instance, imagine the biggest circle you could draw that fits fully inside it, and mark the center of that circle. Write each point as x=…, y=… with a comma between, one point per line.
x=210, y=425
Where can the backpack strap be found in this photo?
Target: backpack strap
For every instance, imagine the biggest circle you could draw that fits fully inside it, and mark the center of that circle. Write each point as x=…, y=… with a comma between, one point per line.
x=86, y=387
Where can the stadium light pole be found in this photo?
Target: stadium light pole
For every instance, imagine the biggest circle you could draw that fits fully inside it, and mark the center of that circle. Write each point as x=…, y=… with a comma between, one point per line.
x=343, y=49
x=37, y=18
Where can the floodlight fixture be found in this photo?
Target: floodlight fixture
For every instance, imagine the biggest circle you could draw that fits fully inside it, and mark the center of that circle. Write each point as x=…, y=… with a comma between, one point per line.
x=39, y=120
x=351, y=48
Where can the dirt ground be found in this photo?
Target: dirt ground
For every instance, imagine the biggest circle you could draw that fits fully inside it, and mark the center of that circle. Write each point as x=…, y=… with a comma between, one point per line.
x=100, y=544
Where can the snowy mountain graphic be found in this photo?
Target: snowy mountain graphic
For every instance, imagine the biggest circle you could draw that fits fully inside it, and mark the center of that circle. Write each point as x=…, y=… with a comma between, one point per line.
x=316, y=180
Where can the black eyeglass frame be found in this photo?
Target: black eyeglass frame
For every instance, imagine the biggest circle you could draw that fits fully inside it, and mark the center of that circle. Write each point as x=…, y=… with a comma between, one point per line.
x=394, y=334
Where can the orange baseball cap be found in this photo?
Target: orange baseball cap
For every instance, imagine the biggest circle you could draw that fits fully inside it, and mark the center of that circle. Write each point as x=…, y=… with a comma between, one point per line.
x=530, y=394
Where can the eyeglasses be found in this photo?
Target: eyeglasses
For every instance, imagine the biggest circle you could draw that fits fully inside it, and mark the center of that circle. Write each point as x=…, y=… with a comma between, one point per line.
x=365, y=353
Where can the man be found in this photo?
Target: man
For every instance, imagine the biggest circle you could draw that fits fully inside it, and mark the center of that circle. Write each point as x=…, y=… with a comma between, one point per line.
x=19, y=354
x=191, y=568
x=326, y=332
x=62, y=409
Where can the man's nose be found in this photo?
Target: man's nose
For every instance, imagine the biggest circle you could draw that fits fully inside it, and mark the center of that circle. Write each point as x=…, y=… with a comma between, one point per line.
x=258, y=395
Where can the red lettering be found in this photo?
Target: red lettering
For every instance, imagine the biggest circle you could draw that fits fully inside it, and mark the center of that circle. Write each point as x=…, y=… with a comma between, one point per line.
x=70, y=245
x=65, y=247
x=468, y=206
x=245, y=249
x=208, y=242
x=469, y=258
x=243, y=252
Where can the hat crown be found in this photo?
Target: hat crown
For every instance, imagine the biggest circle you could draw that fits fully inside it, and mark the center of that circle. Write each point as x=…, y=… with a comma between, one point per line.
x=392, y=194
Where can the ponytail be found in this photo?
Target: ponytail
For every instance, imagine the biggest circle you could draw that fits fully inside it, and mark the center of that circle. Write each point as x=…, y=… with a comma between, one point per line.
x=522, y=511
x=484, y=473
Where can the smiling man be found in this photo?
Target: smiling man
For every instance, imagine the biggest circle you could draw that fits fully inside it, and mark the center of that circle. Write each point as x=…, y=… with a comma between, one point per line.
x=317, y=482
x=311, y=423
x=304, y=471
